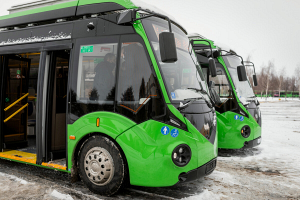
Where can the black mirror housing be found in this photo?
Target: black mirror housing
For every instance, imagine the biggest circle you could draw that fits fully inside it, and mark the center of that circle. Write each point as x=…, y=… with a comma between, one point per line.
x=167, y=45
x=212, y=67
x=216, y=54
x=126, y=17
x=254, y=80
x=241, y=70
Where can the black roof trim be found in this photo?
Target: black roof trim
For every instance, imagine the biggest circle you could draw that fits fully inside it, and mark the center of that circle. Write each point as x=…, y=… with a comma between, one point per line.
x=38, y=17
x=98, y=8
x=61, y=13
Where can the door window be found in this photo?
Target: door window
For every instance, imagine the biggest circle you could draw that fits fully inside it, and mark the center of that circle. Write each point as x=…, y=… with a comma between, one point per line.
x=138, y=96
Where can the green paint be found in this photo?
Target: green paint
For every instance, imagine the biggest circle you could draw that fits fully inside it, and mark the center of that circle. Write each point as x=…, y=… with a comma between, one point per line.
x=7, y=99
x=111, y=124
x=229, y=129
x=86, y=49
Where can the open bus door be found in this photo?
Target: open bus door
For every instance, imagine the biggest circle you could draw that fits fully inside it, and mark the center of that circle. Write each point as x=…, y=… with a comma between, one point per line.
x=56, y=106
x=14, y=98
x=1, y=102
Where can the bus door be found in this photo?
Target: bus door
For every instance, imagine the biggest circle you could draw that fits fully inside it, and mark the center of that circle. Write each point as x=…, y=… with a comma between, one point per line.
x=14, y=98
x=55, y=110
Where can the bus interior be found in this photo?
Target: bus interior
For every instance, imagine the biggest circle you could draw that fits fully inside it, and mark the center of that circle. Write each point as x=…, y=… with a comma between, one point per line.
x=19, y=94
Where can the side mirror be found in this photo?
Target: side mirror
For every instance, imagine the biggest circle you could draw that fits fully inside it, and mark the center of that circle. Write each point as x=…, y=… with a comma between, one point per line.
x=126, y=17
x=216, y=54
x=241, y=70
x=254, y=80
x=212, y=67
x=168, y=51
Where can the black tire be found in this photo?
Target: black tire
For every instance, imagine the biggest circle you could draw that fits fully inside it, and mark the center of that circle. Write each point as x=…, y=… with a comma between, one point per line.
x=92, y=157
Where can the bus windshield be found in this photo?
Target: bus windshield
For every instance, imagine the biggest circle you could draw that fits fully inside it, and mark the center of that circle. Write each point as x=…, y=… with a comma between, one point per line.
x=184, y=78
x=243, y=89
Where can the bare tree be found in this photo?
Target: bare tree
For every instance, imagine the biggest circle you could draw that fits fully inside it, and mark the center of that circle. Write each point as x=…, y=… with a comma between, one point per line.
x=281, y=78
x=268, y=74
x=297, y=74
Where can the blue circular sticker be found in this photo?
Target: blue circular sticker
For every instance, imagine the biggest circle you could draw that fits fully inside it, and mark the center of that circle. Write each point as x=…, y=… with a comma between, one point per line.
x=241, y=118
x=174, y=132
x=165, y=130
x=236, y=117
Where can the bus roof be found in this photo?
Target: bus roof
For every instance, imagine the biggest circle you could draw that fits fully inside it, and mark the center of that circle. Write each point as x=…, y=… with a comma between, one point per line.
x=43, y=10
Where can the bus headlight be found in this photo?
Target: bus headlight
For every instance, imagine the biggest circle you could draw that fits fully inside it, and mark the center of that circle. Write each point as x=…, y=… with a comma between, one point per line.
x=181, y=155
x=246, y=131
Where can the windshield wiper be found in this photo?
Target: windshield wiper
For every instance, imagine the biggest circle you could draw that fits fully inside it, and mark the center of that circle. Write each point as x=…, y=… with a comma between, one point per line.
x=203, y=91
x=190, y=100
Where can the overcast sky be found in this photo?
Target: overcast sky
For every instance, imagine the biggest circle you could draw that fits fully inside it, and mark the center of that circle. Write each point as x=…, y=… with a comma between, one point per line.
x=264, y=29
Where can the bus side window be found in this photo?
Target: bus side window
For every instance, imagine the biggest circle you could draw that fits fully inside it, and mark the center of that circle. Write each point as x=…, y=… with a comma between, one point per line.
x=97, y=78
x=138, y=94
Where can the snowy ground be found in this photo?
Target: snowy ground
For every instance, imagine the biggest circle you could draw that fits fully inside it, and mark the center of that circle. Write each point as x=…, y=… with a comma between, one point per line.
x=270, y=171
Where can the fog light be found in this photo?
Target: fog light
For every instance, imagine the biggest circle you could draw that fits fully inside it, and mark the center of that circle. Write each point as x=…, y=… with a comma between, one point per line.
x=181, y=155
x=245, y=131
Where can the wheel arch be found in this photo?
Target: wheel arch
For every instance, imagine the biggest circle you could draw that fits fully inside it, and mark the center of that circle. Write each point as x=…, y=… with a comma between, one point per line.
x=80, y=144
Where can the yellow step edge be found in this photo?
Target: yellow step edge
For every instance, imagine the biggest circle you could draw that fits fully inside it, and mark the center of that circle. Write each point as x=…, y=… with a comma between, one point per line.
x=28, y=158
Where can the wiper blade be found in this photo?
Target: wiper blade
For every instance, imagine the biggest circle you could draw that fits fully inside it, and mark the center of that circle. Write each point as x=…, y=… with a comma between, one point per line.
x=190, y=100
x=203, y=91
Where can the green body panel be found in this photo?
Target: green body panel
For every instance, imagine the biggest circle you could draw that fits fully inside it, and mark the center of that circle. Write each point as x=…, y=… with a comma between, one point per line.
x=126, y=3
x=111, y=124
x=229, y=129
x=149, y=153
x=206, y=150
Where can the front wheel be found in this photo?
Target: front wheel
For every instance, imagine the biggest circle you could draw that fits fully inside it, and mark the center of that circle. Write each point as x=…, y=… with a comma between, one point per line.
x=101, y=166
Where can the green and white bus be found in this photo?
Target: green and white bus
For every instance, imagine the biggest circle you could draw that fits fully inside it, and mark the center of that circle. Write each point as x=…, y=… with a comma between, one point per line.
x=108, y=91
x=237, y=108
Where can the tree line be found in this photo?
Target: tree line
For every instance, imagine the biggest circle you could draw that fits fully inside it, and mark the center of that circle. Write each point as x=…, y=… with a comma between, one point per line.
x=272, y=82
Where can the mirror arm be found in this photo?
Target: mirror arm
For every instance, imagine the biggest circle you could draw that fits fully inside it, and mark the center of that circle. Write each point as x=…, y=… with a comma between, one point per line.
x=197, y=40
x=233, y=54
x=155, y=14
x=250, y=65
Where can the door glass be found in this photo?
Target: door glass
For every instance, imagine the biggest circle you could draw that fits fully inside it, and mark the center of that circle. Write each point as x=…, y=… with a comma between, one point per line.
x=138, y=96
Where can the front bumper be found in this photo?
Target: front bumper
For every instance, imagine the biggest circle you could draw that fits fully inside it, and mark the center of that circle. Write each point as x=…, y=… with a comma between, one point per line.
x=199, y=172
x=252, y=143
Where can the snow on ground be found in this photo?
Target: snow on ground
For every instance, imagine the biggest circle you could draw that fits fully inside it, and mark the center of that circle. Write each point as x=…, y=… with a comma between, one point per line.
x=269, y=171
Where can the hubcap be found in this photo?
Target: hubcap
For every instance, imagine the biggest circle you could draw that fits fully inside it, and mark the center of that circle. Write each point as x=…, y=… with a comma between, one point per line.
x=99, y=166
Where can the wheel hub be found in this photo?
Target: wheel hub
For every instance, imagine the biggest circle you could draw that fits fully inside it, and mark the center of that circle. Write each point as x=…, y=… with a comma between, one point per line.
x=99, y=166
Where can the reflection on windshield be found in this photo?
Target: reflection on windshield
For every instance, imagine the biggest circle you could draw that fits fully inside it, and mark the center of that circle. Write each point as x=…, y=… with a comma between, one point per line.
x=183, y=74
x=243, y=89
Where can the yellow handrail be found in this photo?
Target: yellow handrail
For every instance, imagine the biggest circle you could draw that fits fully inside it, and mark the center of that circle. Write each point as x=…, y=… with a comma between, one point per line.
x=11, y=105
x=15, y=113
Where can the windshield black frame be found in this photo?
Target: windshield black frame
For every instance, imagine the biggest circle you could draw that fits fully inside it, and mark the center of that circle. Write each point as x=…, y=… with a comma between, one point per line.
x=199, y=74
x=237, y=84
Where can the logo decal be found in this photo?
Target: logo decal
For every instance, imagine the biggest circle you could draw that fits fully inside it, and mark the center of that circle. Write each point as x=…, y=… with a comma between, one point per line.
x=241, y=118
x=173, y=95
x=174, y=132
x=236, y=117
x=165, y=130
